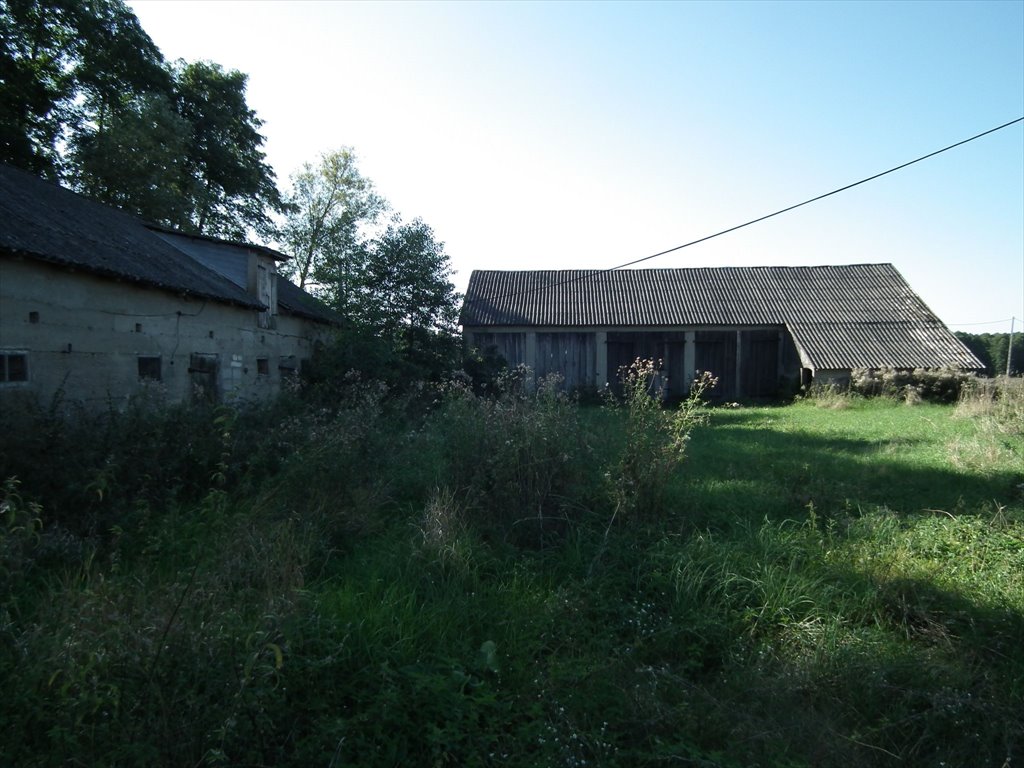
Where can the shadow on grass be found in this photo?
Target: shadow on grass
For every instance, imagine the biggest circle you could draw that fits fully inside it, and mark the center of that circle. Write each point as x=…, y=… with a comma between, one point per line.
x=831, y=659
x=944, y=688
x=736, y=471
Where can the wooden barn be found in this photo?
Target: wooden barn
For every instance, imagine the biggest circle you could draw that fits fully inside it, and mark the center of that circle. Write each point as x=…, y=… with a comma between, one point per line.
x=760, y=330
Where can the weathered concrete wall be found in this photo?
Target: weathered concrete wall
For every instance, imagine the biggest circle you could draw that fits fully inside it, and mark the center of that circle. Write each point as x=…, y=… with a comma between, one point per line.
x=84, y=336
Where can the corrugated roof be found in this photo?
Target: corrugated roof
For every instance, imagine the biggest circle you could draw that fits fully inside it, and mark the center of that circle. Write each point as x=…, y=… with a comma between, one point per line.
x=41, y=220
x=847, y=316
x=44, y=221
x=838, y=346
x=295, y=301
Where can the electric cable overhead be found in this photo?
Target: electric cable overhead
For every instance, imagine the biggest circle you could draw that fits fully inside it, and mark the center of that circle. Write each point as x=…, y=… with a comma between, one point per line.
x=900, y=167
x=987, y=322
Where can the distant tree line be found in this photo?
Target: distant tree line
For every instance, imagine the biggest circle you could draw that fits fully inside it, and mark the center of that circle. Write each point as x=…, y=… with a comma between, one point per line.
x=992, y=348
x=87, y=100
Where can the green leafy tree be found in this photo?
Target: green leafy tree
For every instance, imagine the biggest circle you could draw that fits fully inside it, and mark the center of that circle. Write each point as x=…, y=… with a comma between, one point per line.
x=387, y=281
x=117, y=63
x=86, y=98
x=234, y=188
x=138, y=162
x=328, y=206
x=189, y=158
x=36, y=82
x=993, y=348
x=66, y=66
x=405, y=281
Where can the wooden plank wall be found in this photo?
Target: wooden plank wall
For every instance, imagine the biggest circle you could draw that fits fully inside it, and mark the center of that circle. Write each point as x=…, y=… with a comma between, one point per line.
x=510, y=346
x=716, y=353
x=573, y=355
x=752, y=362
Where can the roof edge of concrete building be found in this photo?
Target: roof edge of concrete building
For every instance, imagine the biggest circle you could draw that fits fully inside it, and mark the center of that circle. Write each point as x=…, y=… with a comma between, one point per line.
x=98, y=306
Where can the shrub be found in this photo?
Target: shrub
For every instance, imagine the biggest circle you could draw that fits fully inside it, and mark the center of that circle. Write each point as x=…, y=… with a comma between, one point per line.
x=655, y=438
x=403, y=362
x=20, y=523
x=92, y=470
x=935, y=385
x=519, y=457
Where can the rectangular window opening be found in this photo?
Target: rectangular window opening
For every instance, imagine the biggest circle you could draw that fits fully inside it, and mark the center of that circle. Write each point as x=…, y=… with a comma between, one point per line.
x=13, y=367
x=150, y=368
x=262, y=366
x=288, y=366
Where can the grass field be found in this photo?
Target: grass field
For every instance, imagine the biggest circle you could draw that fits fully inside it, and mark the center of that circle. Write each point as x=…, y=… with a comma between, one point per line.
x=833, y=582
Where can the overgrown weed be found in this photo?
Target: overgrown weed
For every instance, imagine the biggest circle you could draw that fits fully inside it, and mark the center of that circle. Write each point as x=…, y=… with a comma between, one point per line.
x=521, y=458
x=655, y=439
x=998, y=402
x=358, y=587
x=830, y=396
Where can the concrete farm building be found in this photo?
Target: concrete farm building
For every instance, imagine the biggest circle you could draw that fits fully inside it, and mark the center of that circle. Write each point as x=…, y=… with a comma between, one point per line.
x=97, y=306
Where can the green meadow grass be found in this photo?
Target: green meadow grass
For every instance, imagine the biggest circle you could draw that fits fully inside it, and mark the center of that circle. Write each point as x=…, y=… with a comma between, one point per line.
x=825, y=583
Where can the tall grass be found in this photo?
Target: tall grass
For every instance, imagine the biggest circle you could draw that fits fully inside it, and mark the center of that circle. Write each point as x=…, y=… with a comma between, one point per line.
x=357, y=584
x=999, y=402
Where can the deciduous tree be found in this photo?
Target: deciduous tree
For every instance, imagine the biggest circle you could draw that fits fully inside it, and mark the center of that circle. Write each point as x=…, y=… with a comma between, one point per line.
x=233, y=185
x=138, y=162
x=65, y=65
x=406, y=280
x=86, y=99
x=328, y=206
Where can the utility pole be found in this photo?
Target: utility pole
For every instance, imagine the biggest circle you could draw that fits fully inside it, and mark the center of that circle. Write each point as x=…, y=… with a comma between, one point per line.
x=1009, y=349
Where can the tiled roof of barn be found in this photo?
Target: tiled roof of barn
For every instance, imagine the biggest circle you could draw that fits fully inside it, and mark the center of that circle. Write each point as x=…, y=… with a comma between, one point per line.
x=859, y=315
x=837, y=346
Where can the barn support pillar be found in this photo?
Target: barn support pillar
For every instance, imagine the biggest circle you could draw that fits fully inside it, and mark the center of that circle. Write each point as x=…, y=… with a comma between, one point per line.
x=601, y=344
x=690, y=358
x=739, y=363
x=530, y=353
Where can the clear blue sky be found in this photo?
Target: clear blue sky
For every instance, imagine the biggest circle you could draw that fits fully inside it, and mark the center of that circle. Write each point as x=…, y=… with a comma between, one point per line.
x=583, y=135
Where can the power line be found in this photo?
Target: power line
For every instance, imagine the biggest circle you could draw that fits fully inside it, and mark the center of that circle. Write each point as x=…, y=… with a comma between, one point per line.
x=987, y=322
x=598, y=272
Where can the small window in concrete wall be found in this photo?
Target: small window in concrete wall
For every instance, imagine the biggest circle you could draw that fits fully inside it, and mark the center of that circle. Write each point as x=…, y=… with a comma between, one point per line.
x=203, y=370
x=288, y=366
x=262, y=366
x=150, y=369
x=13, y=367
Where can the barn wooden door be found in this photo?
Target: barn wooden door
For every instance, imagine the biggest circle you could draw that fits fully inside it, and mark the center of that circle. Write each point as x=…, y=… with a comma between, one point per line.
x=679, y=378
x=760, y=368
x=620, y=353
x=203, y=372
x=715, y=352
